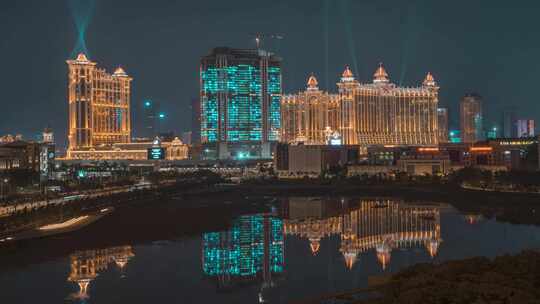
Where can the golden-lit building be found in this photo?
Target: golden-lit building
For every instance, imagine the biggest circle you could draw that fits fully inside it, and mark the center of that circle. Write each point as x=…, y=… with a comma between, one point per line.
x=390, y=115
x=348, y=108
x=174, y=150
x=377, y=113
x=99, y=106
x=86, y=265
x=310, y=117
x=381, y=225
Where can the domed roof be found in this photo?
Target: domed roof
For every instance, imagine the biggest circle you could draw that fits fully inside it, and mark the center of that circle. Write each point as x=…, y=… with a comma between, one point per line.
x=347, y=73
x=119, y=72
x=82, y=57
x=380, y=75
x=429, y=81
x=312, y=82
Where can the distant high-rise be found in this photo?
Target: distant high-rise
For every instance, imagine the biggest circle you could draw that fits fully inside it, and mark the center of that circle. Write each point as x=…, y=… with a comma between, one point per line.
x=47, y=136
x=509, y=123
x=99, y=106
x=195, y=121
x=470, y=112
x=442, y=121
x=240, y=98
x=525, y=127
x=150, y=118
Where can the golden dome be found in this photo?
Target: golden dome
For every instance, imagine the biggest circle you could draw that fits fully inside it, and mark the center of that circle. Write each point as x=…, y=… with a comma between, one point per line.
x=347, y=73
x=82, y=57
x=119, y=72
x=429, y=81
x=312, y=82
x=380, y=75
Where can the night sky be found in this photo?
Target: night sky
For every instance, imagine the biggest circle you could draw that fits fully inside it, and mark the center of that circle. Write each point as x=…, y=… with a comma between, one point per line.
x=470, y=46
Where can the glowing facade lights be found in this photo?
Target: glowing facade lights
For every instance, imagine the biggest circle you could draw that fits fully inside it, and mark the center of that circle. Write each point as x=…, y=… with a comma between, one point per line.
x=99, y=105
x=240, y=96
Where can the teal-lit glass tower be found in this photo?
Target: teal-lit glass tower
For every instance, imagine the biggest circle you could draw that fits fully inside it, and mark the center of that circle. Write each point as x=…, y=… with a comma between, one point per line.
x=240, y=101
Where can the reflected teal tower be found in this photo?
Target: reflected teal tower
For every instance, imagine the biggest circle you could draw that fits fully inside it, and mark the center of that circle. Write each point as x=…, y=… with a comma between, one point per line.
x=251, y=249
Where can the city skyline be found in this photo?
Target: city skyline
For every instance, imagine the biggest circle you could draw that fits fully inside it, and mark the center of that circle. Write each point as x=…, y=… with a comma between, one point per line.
x=170, y=68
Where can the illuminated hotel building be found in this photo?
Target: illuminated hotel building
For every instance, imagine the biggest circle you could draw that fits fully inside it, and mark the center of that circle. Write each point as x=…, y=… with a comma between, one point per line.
x=348, y=108
x=378, y=113
x=381, y=225
x=240, y=93
x=309, y=117
x=442, y=121
x=390, y=115
x=99, y=106
x=470, y=118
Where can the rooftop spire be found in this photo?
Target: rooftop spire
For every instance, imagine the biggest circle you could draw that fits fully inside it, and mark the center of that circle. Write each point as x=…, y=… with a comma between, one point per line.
x=312, y=82
x=119, y=72
x=347, y=73
x=82, y=58
x=429, y=81
x=380, y=75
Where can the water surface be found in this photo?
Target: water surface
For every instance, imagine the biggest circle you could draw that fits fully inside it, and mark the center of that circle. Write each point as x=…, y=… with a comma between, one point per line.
x=299, y=249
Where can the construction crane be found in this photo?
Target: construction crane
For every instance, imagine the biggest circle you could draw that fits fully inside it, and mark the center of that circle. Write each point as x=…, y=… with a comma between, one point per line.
x=259, y=36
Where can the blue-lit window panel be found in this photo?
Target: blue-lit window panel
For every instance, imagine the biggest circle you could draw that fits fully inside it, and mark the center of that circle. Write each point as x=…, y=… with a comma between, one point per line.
x=240, y=250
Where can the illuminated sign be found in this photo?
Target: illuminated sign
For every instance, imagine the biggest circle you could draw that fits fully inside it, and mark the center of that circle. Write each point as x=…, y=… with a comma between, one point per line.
x=156, y=153
x=481, y=149
x=428, y=149
x=517, y=143
x=335, y=142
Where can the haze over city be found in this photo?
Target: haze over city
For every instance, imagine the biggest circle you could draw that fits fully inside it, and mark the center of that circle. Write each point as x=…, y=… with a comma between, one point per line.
x=482, y=46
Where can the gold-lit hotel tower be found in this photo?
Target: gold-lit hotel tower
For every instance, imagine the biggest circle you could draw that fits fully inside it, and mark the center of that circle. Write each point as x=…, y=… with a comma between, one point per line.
x=310, y=116
x=378, y=113
x=99, y=111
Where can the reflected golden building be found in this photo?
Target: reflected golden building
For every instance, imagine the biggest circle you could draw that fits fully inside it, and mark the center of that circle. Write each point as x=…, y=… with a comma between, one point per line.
x=310, y=117
x=373, y=224
x=99, y=106
x=86, y=265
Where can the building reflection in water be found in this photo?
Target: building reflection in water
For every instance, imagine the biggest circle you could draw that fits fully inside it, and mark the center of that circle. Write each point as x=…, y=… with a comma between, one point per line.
x=473, y=219
x=87, y=264
x=250, y=251
x=381, y=225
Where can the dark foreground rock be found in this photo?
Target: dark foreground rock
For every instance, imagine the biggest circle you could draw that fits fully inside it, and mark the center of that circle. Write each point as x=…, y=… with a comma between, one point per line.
x=505, y=279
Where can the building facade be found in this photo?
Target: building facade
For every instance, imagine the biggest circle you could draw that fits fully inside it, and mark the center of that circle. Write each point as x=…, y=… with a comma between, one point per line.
x=392, y=115
x=470, y=118
x=442, y=122
x=240, y=94
x=99, y=106
x=378, y=113
x=310, y=117
x=525, y=128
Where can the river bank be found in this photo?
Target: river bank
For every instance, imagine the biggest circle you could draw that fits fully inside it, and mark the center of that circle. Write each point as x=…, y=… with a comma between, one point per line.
x=505, y=279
